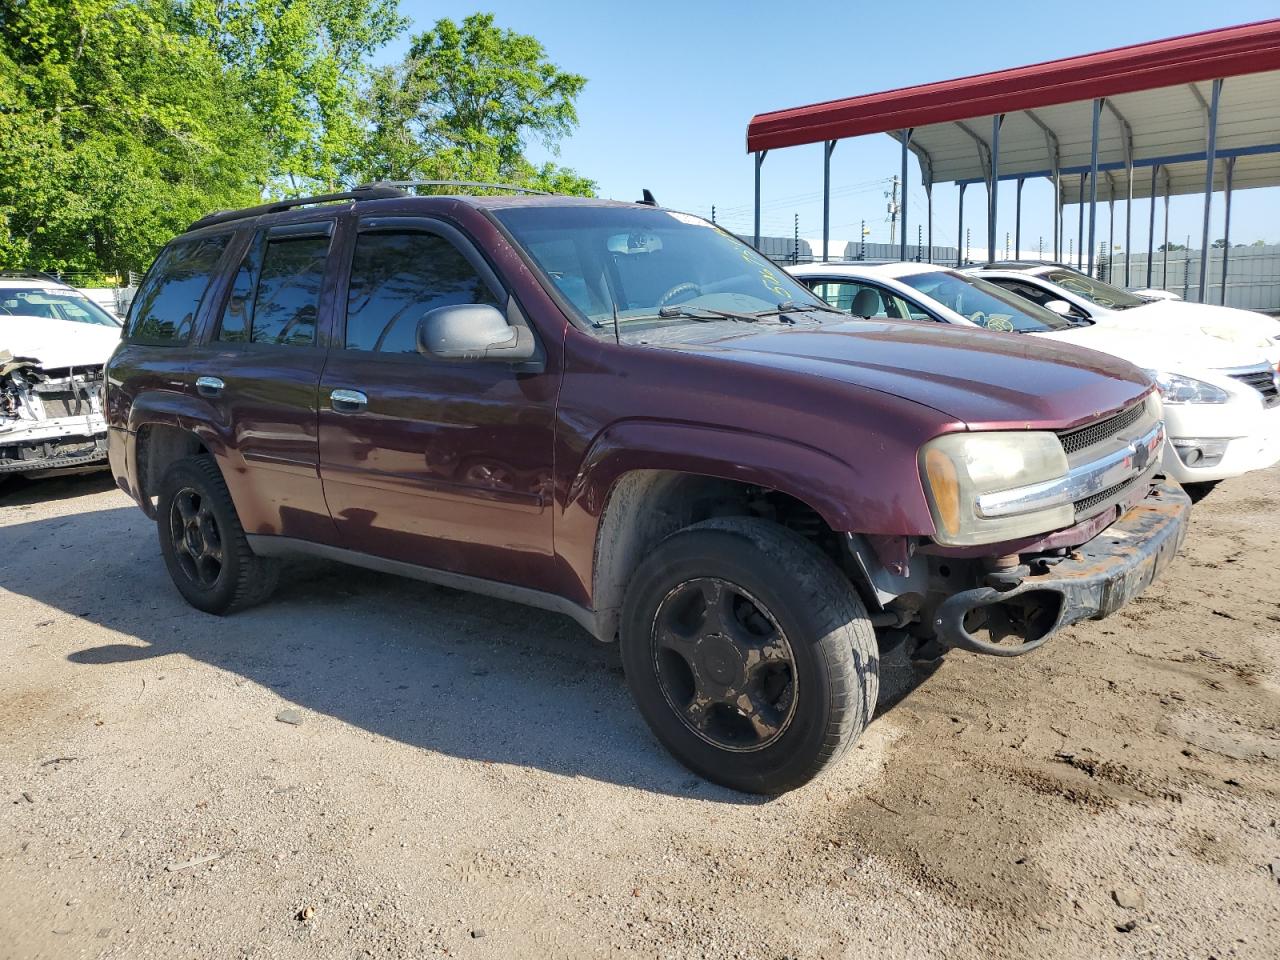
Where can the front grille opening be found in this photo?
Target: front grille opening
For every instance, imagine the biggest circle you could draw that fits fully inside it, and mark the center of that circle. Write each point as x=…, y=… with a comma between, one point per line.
x=1088, y=504
x=1074, y=441
x=1264, y=381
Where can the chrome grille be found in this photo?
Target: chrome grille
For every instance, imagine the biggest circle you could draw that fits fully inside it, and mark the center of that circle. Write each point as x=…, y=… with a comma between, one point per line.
x=1264, y=381
x=1085, y=506
x=1076, y=440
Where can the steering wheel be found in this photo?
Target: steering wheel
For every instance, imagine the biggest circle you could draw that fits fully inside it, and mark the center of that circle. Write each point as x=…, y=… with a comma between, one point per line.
x=1000, y=324
x=979, y=318
x=678, y=289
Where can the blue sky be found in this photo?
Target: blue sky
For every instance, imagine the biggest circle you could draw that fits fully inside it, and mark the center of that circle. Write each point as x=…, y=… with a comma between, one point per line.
x=672, y=85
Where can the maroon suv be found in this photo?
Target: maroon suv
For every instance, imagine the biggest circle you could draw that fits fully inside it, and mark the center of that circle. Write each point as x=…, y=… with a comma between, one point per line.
x=624, y=414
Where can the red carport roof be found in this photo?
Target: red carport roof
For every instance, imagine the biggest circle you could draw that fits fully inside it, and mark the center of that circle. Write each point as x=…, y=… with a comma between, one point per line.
x=1213, y=54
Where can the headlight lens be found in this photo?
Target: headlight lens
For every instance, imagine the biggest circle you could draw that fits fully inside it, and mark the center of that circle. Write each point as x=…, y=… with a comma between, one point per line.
x=957, y=468
x=1175, y=388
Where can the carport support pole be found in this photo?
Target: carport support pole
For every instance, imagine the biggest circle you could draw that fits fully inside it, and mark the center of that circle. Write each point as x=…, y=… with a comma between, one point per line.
x=993, y=187
x=1226, y=226
x=928, y=203
x=760, y=155
x=1210, y=159
x=827, y=147
x=1093, y=181
x=1080, y=228
x=1164, y=263
x=905, y=137
x=1151, y=227
x=1128, y=218
x=960, y=228
x=1057, y=212
x=1017, y=220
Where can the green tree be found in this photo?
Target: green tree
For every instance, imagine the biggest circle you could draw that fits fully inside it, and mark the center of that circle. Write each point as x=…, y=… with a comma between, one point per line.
x=302, y=63
x=116, y=131
x=464, y=104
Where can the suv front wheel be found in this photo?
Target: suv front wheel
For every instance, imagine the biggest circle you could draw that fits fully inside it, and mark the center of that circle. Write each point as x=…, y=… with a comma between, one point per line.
x=748, y=654
x=203, y=543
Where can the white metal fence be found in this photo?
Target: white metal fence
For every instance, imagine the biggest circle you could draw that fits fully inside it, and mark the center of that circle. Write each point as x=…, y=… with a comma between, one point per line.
x=1253, y=275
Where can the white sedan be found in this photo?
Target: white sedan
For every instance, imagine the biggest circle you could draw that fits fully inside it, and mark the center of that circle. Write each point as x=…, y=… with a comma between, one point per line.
x=1075, y=294
x=1221, y=396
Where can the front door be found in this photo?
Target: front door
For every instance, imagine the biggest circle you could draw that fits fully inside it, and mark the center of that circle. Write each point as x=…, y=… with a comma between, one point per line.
x=260, y=372
x=444, y=464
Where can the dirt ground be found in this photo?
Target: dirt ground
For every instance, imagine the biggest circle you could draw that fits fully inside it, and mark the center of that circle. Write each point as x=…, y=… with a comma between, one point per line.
x=468, y=778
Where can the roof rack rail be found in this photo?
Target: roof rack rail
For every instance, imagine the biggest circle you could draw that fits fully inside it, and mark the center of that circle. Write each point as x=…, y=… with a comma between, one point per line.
x=378, y=191
x=400, y=184
x=30, y=275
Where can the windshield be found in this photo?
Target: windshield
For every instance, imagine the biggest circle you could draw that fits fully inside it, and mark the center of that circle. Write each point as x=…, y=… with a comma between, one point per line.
x=53, y=305
x=1095, y=291
x=644, y=260
x=984, y=303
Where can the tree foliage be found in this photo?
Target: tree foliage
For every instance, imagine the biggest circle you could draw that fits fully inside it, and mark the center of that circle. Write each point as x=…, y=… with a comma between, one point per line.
x=122, y=121
x=115, y=132
x=465, y=103
x=302, y=63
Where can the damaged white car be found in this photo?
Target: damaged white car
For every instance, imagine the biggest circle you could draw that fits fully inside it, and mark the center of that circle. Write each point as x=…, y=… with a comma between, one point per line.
x=54, y=342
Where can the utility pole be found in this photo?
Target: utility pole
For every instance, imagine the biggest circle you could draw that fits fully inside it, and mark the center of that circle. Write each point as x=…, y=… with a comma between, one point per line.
x=919, y=241
x=966, y=244
x=1040, y=248
x=713, y=213
x=1006, y=244
x=795, y=239
x=862, y=241
x=893, y=209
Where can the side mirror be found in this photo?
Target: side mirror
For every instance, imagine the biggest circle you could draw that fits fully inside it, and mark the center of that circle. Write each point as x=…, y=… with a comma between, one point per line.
x=472, y=331
x=1060, y=307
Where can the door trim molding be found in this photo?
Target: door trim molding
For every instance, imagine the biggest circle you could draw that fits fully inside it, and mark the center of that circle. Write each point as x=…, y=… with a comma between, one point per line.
x=274, y=546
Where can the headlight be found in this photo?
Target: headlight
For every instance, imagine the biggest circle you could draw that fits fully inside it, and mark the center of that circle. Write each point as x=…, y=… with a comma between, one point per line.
x=958, y=468
x=1175, y=388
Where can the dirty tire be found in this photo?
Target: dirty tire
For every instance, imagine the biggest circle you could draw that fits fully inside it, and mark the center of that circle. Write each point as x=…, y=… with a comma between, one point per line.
x=834, y=659
x=239, y=578
x=1198, y=491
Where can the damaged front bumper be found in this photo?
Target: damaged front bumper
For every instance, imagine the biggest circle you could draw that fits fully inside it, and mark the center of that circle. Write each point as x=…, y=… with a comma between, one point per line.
x=1091, y=582
x=50, y=420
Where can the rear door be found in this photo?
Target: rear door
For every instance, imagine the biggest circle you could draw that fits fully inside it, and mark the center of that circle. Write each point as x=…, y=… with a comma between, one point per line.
x=445, y=464
x=260, y=371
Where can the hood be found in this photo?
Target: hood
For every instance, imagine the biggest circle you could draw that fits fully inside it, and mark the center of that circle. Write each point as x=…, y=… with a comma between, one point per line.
x=986, y=380
x=58, y=343
x=1175, y=348
x=1241, y=328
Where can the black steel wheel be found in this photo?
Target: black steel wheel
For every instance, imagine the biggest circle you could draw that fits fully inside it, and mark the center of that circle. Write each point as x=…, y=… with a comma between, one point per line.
x=203, y=543
x=724, y=664
x=197, y=543
x=748, y=653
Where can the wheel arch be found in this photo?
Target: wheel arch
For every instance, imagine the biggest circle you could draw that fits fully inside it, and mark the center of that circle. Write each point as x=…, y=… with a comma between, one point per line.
x=646, y=481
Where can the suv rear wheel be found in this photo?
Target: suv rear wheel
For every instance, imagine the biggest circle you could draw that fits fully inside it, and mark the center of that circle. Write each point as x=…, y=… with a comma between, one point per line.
x=748, y=654
x=202, y=541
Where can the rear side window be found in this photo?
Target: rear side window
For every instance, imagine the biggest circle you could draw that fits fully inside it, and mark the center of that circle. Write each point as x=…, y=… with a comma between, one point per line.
x=276, y=294
x=164, y=310
x=398, y=277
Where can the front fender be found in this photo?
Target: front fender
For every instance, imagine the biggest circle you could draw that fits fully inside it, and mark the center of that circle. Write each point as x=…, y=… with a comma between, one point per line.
x=813, y=476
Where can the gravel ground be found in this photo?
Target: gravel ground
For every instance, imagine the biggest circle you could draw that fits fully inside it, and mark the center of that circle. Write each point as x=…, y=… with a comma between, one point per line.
x=372, y=767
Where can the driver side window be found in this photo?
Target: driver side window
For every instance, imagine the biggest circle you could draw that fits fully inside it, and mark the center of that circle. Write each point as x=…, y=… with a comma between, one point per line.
x=396, y=278
x=276, y=294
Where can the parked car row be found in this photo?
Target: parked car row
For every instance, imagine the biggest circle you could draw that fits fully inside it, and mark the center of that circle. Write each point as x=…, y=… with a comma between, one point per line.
x=1216, y=367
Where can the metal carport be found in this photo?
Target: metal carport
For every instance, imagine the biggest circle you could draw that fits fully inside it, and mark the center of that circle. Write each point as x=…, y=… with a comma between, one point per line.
x=1188, y=114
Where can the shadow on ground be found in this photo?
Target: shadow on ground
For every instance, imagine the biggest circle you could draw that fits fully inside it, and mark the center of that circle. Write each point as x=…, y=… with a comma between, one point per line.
x=434, y=668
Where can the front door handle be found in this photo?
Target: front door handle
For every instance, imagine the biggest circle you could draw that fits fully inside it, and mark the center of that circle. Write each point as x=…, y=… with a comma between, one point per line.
x=348, y=401
x=209, y=386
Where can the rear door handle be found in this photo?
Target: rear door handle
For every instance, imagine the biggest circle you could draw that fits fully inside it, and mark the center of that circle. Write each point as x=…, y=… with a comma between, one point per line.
x=209, y=386
x=348, y=401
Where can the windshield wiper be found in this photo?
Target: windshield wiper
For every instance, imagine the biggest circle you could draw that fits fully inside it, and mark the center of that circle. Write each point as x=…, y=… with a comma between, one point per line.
x=705, y=314
x=790, y=306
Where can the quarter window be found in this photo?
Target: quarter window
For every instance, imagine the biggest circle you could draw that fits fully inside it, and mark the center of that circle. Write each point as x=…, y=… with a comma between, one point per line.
x=164, y=311
x=398, y=277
